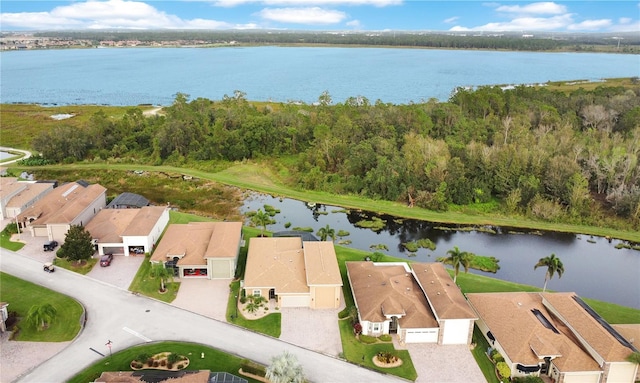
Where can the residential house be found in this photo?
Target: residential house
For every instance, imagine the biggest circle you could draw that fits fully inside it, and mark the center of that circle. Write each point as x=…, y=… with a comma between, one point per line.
x=75, y=203
x=201, y=249
x=553, y=334
x=293, y=272
x=16, y=196
x=420, y=304
x=128, y=200
x=128, y=231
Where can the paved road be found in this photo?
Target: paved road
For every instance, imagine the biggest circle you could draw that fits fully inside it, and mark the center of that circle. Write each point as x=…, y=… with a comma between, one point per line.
x=26, y=154
x=127, y=320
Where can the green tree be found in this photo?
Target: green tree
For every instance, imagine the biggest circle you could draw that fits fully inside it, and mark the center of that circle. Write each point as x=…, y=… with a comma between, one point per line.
x=554, y=266
x=77, y=244
x=262, y=219
x=457, y=258
x=158, y=270
x=285, y=368
x=41, y=316
x=326, y=232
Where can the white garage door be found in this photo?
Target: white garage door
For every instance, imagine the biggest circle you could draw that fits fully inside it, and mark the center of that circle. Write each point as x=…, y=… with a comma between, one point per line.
x=424, y=335
x=456, y=331
x=294, y=300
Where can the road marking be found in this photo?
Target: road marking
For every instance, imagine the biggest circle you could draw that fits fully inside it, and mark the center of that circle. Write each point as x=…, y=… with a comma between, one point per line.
x=130, y=331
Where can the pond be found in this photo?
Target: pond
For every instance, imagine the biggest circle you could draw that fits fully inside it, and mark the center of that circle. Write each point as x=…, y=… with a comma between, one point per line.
x=594, y=268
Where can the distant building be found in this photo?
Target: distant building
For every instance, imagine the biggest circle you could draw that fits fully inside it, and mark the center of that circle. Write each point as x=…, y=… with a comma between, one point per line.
x=16, y=196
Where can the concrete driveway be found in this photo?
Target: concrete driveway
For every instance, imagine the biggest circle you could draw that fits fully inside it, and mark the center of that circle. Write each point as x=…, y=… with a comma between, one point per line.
x=120, y=273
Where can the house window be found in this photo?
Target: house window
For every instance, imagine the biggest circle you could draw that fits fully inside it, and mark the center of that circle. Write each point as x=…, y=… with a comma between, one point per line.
x=257, y=293
x=376, y=327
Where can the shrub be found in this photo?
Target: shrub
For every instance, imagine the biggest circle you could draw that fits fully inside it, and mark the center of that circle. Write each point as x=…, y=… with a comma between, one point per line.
x=155, y=363
x=357, y=328
x=163, y=362
x=503, y=370
x=528, y=379
x=173, y=357
x=150, y=362
x=243, y=299
x=385, y=337
x=368, y=339
x=180, y=366
x=387, y=357
x=252, y=367
x=170, y=366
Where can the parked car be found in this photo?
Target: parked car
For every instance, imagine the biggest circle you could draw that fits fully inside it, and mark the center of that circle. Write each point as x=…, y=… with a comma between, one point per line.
x=106, y=259
x=50, y=245
x=48, y=267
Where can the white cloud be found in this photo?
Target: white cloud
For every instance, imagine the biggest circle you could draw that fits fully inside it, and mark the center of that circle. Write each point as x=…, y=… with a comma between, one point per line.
x=355, y=24
x=523, y=24
x=451, y=20
x=629, y=26
x=542, y=8
x=111, y=14
x=309, y=16
x=306, y=3
x=625, y=20
x=590, y=25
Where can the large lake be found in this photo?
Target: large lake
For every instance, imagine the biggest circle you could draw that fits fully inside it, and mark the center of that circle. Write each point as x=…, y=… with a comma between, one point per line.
x=132, y=76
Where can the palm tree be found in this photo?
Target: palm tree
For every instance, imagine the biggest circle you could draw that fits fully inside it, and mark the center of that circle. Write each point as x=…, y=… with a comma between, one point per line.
x=40, y=316
x=553, y=264
x=261, y=218
x=456, y=259
x=285, y=368
x=325, y=232
x=158, y=270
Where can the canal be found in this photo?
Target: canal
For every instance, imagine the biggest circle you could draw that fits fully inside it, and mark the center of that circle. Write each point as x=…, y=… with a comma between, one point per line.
x=594, y=268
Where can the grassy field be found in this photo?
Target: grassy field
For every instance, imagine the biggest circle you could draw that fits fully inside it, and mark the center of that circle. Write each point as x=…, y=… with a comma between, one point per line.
x=144, y=284
x=80, y=268
x=214, y=360
x=6, y=243
x=268, y=325
x=21, y=295
x=260, y=177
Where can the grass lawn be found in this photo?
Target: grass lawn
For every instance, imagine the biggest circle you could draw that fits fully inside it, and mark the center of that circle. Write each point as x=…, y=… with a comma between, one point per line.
x=144, y=284
x=479, y=353
x=21, y=295
x=362, y=354
x=5, y=242
x=82, y=268
x=214, y=360
x=268, y=325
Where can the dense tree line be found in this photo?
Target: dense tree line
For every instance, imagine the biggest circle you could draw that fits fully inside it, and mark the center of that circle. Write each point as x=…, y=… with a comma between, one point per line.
x=536, y=152
x=494, y=41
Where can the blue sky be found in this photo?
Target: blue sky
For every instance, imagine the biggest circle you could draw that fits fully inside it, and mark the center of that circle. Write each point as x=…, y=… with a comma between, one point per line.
x=364, y=15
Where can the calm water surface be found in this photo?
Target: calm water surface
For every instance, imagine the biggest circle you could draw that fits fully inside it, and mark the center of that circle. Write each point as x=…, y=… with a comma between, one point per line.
x=132, y=76
x=594, y=268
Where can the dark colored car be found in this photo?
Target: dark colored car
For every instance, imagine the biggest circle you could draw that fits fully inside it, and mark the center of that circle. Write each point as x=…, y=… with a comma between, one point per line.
x=50, y=245
x=106, y=259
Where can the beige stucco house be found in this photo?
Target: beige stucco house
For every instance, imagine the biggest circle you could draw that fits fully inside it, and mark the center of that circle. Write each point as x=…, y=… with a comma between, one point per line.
x=293, y=272
x=128, y=231
x=201, y=249
x=16, y=196
x=75, y=203
x=555, y=335
x=420, y=303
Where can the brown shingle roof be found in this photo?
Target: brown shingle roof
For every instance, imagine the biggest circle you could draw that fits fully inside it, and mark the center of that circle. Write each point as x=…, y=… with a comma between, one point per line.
x=524, y=338
x=196, y=241
x=107, y=226
x=586, y=326
x=144, y=221
x=445, y=297
x=28, y=194
x=389, y=289
x=276, y=263
x=10, y=185
x=63, y=204
x=321, y=264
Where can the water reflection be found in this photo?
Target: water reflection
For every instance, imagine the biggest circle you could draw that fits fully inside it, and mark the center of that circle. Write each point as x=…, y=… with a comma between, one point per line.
x=593, y=267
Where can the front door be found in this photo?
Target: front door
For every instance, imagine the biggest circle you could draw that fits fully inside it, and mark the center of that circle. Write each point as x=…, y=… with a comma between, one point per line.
x=272, y=294
x=393, y=326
